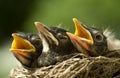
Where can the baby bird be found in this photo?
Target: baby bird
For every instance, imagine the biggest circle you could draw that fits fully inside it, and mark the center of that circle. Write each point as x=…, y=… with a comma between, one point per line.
x=26, y=47
x=50, y=46
x=57, y=45
x=88, y=40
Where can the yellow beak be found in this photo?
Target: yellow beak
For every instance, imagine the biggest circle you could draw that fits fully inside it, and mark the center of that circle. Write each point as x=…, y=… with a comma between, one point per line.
x=82, y=37
x=81, y=31
x=21, y=47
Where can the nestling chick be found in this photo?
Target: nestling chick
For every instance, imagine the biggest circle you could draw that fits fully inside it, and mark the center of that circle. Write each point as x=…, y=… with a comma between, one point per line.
x=26, y=47
x=89, y=39
x=51, y=47
x=57, y=45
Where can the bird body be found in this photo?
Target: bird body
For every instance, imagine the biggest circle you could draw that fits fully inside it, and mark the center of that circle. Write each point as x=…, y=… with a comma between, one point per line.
x=91, y=40
x=52, y=44
x=57, y=46
x=26, y=47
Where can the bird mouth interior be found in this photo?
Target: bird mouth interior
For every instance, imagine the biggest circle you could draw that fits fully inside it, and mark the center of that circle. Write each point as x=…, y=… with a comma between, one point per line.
x=81, y=37
x=21, y=46
x=81, y=32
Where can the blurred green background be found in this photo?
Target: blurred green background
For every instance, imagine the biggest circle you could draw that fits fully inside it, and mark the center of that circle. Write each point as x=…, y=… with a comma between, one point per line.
x=20, y=15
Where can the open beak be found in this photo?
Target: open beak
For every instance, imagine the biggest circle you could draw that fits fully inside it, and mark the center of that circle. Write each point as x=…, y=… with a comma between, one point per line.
x=22, y=48
x=45, y=34
x=82, y=37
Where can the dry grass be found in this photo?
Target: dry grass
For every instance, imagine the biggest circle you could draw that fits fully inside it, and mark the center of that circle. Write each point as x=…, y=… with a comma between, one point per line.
x=78, y=66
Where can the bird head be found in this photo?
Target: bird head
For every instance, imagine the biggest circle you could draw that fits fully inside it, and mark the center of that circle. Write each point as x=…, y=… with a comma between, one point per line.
x=57, y=45
x=26, y=48
x=54, y=38
x=89, y=39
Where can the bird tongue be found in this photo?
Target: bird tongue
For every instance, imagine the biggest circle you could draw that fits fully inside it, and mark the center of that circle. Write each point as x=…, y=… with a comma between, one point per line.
x=82, y=37
x=21, y=47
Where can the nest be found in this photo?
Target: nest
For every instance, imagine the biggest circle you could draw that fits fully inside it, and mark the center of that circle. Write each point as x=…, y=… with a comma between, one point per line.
x=78, y=66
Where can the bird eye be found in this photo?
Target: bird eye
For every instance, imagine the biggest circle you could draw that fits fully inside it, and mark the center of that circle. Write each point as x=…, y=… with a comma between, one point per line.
x=99, y=37
x=61, y=36
x=35, y=40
